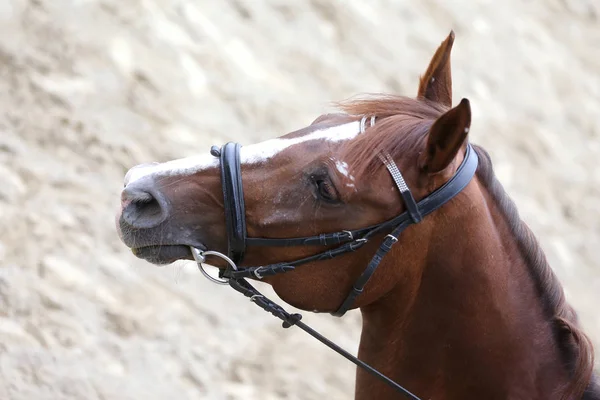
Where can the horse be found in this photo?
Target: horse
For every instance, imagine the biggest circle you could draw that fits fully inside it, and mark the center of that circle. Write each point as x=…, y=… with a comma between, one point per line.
x=463, y=306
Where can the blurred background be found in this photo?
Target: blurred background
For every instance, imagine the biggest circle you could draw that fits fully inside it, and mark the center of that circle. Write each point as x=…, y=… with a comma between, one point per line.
x=90, y=88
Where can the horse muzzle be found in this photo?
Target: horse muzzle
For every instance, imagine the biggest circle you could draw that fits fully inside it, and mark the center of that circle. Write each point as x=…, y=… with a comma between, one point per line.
x=145, y=224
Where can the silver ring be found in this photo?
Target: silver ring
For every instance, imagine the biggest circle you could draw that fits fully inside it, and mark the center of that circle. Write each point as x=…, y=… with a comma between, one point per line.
x=200, y=258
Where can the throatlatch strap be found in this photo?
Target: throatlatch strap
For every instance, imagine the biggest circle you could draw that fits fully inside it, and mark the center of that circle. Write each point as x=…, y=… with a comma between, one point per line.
x=415, y=217
x=363, y=279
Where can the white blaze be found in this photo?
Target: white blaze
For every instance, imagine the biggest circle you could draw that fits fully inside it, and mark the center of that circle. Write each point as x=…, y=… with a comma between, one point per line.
x=262, y=151
x=182, y=166
x=251, y=154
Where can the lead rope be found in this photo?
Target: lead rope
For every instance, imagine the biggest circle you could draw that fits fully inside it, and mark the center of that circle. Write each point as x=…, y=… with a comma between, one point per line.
x=245, y=288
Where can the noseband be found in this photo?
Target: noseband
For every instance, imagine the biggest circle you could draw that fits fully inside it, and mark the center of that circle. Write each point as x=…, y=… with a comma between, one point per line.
x=233, y=196
x=346, y=240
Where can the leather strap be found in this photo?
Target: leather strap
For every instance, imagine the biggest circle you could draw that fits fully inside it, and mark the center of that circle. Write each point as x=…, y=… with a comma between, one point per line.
x=364, y=278
x=278, y=268
x=325, y=239
x=289, y=320
x=233, y=200
x=434, y=201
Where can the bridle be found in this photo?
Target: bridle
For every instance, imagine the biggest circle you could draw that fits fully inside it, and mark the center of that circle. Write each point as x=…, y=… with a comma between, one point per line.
x=347, y=240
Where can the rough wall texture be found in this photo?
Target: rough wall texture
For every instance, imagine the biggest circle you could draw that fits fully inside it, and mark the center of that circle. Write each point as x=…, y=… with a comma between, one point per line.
x=90, y=88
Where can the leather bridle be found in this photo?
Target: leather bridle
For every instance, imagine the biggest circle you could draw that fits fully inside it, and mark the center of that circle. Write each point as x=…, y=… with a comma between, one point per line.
x=347, y=240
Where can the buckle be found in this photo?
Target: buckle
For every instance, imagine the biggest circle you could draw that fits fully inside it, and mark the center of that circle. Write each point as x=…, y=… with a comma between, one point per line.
x=256, y=296
x=358, y=243
x=257, y=274
x=394, y=238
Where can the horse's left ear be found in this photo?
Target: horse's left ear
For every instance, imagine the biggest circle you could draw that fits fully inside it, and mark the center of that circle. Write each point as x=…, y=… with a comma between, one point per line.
x=446, y=136
x=436, y=84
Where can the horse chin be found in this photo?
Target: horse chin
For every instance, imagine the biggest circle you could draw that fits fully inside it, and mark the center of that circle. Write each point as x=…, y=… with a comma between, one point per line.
x=163, y=254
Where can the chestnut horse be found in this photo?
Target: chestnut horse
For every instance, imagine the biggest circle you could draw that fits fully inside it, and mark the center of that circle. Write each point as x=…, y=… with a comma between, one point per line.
x=464, y=305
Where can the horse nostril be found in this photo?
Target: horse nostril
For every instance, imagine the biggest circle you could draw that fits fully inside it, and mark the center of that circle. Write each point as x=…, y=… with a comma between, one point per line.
x=143, y=206
x=135, y=195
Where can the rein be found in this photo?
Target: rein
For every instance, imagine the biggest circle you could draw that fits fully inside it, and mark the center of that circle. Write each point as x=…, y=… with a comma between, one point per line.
x=347, y=241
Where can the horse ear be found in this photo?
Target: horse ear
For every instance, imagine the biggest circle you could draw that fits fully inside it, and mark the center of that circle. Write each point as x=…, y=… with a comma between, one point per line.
x=445, y=138
x=436, y=84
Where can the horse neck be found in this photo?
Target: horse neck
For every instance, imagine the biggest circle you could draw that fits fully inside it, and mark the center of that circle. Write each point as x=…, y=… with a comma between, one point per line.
x=470, y=323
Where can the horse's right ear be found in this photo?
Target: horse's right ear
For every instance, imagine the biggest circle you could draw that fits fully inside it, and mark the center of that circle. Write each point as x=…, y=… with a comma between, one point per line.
x=446, y=136
x=436, y=83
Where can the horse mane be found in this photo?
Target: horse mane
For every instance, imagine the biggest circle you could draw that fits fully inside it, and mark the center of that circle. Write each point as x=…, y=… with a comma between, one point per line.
x=402, y=129
x=399, y=120
x=576, y=347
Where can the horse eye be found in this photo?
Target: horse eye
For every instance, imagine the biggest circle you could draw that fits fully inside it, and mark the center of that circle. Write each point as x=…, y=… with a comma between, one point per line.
x=326, y=190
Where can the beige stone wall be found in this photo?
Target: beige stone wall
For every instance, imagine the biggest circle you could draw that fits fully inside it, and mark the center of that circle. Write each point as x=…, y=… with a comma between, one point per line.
x=90, y=88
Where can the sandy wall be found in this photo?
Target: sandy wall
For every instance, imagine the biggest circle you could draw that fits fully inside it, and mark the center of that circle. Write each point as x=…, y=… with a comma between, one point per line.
x=89, y=88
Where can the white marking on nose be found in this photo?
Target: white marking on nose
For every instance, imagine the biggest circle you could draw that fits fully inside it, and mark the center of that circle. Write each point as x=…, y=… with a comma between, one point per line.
x=260, y=152
x=250, y=154
x=182, y=166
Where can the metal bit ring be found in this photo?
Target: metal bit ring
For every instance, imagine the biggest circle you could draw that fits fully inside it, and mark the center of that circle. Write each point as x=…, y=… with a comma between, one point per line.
x=200, y=258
